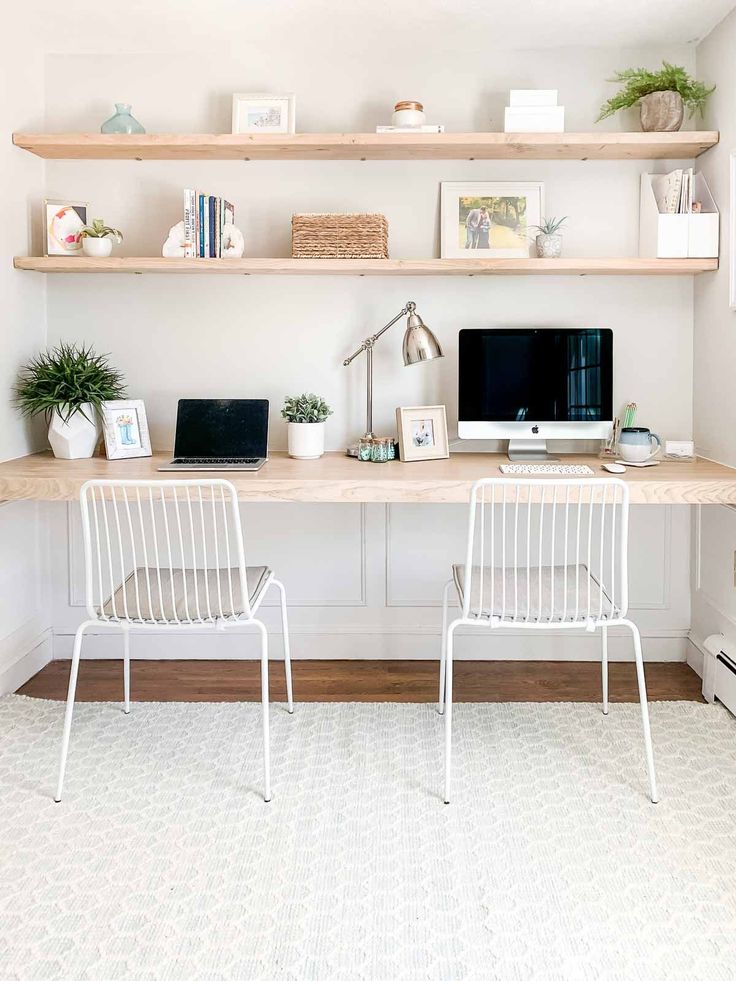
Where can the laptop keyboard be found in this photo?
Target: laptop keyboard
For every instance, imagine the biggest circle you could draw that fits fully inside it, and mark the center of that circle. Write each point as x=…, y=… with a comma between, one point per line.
x=217, y=460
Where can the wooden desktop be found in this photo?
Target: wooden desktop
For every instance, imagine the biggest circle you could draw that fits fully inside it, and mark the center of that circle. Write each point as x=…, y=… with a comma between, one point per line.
x=336, y=478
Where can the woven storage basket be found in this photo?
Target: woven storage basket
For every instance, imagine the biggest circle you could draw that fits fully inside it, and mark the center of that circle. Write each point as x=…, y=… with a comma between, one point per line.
x=339, y=237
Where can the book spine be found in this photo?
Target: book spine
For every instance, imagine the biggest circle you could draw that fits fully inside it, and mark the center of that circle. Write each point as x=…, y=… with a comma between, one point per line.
x=187, y=226
x=218, y=227
x=200, y=220
x=212, y=251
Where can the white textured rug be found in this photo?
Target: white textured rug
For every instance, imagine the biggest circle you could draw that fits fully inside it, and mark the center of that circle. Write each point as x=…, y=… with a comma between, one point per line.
x=164, y=863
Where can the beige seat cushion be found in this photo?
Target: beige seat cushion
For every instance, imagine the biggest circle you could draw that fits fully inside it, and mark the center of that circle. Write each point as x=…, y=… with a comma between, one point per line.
x=562, y=587
x=176, y=599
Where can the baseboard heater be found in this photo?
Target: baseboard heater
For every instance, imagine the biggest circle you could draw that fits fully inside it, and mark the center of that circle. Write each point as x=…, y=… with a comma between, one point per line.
x=726, y=681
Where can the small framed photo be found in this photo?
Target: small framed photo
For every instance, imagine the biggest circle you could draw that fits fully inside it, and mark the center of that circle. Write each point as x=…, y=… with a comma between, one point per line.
x=489, y=219
x=422, y=433
x=63, y=224
x=126, y=429
x=263, y=113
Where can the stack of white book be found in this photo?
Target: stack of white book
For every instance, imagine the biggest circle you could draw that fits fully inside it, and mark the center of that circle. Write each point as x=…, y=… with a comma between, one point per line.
x=534, y=111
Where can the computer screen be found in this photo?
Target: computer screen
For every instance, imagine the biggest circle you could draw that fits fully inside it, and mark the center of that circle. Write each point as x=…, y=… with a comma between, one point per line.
x=222, y=428
x=544, y=374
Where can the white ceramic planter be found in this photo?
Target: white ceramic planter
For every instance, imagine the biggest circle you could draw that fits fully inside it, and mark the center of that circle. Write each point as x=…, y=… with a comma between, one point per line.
x=306, y=440
x=549, y=246
x=77, y=438
x=97, y=248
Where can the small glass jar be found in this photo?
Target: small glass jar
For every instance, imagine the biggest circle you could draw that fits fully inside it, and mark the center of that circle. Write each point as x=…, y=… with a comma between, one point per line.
x=379, y=453
x=365, y=449
x=391, y=448
x=408, y=114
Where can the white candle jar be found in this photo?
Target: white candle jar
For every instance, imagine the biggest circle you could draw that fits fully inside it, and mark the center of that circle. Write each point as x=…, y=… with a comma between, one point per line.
x=408, y=114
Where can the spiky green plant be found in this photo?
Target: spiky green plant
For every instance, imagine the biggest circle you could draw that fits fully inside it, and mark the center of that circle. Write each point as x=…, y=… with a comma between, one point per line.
x=305, y=408
x=64, y=379
x=98, y=229
x=640, y=82
x=550, y=226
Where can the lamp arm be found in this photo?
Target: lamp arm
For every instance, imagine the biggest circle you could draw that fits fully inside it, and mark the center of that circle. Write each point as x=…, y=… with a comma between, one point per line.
x=370, y=341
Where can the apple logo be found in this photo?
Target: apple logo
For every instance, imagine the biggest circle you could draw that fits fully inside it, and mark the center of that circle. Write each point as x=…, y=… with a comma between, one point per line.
x=535, y=429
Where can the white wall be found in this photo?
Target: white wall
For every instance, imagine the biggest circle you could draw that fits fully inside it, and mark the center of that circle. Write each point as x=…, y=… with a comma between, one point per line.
x=24, y=612
x=714, y=586
x=375, y=590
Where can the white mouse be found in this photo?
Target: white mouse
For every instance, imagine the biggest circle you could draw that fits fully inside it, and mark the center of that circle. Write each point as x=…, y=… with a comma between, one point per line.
x=614, y=467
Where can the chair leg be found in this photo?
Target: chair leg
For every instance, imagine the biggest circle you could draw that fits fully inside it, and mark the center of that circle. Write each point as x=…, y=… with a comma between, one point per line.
x=604, y=668
x=287, y=649
x=644, y=710
x=443, y=649
x=70, y=704
x=264, y=712
x=126, y=670
x=448, y=707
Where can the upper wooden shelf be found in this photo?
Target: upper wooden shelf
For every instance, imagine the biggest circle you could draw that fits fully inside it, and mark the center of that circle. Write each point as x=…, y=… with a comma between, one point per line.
x=369, y=146
x=616, y=266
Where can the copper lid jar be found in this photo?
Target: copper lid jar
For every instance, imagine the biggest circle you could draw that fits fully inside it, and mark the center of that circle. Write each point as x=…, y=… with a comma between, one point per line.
x=408, y=114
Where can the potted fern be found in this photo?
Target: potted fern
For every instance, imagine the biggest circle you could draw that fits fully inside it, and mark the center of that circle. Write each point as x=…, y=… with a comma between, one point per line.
x=549, y=240
x=68, y=385
x=662, y=96
x=306, y=415
x=97, y=239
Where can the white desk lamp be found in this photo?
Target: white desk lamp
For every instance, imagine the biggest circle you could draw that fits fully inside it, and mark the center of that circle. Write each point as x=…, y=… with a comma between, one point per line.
x=419, y=345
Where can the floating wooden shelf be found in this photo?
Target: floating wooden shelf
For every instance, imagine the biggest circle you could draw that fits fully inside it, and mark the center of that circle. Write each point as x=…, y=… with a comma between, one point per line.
x=370, y=267
x=369, y=146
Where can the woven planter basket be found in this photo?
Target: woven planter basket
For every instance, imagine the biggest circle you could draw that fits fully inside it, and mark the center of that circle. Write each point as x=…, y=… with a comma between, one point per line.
x=339, y=237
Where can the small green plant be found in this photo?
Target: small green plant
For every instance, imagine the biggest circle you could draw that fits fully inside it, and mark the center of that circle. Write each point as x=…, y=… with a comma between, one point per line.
x=639, y=82
x=64, y=379
x=550, y=226
x=98, y=229
x=305, y=408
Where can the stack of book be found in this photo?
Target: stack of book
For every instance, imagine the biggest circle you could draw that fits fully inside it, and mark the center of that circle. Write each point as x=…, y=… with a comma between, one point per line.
x=534, y=111
x=205, y=217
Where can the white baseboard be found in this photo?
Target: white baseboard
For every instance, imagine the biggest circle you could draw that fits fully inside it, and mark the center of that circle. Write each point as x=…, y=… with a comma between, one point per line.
x=26, y=665
x=388, y=643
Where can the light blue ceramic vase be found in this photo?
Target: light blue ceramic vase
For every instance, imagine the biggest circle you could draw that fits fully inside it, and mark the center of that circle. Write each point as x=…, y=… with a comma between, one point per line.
x=122, y=121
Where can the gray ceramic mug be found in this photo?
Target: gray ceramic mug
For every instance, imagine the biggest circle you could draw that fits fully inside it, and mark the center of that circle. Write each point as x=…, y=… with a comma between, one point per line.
x=636, y=444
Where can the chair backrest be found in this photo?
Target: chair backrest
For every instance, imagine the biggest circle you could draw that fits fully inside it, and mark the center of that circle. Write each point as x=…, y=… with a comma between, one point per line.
x=547, y=550
x=141, y=534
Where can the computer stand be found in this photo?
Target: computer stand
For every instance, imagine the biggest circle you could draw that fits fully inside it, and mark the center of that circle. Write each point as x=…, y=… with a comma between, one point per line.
x=530, y=451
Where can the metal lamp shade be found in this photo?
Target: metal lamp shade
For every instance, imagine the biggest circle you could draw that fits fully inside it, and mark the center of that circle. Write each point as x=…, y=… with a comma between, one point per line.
x=420, y=344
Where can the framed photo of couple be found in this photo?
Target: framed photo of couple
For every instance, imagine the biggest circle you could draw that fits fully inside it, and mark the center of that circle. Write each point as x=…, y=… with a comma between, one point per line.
x=489, y=219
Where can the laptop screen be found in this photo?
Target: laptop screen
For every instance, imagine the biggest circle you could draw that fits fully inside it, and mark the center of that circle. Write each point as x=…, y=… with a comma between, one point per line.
x=222, y=428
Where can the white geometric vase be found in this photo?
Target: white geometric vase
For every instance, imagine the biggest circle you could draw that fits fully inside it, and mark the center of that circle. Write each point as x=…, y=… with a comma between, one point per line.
x=77, y=438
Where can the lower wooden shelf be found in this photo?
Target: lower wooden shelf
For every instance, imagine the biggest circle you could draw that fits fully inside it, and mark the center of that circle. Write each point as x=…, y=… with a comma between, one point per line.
x=370, y=267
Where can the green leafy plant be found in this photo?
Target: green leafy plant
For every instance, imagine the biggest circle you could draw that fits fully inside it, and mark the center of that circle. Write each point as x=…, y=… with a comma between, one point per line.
x=98, y=229
x=639, y=82
x=550, y=226
x=64, y=379
x=305, y=408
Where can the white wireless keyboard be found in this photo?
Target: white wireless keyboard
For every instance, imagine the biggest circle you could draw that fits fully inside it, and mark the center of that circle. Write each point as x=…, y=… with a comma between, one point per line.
x=532, y=469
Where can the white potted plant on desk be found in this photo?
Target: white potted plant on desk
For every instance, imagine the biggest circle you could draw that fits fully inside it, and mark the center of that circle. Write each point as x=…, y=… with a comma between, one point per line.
x=68, y=385
x=306, y=415
x=97, y=239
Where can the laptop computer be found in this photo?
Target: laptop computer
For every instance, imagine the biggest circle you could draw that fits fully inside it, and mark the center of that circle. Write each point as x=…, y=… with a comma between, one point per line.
x=220, y=434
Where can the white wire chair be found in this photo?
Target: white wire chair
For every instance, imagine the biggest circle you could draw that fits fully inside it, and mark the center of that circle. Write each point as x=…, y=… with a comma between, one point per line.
x=544, y=554
x=169, y=555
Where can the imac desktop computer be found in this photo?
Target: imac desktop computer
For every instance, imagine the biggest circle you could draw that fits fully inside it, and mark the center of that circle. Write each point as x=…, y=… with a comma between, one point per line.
x=528, y=385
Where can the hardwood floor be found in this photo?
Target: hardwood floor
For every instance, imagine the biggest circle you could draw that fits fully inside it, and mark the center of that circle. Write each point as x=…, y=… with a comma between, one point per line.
x=364, y=681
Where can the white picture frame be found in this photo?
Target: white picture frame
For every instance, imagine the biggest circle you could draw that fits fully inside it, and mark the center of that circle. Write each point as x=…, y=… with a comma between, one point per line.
x=732, y=234
x=62, y=223
x=125, y=428
x=263, y=113
x=422, y=433
x=501, y=229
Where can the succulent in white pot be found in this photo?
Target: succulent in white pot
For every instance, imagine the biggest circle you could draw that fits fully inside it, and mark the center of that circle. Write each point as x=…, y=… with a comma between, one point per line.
x=68, y=385
x=306, y=415
x=549, y=240
x=97, y=239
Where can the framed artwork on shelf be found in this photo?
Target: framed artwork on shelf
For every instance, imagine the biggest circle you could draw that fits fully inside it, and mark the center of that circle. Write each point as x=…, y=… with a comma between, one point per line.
x=422, y=433
x=125, y=427
x=259, y=113
x=63, y=224
x=489, y=219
